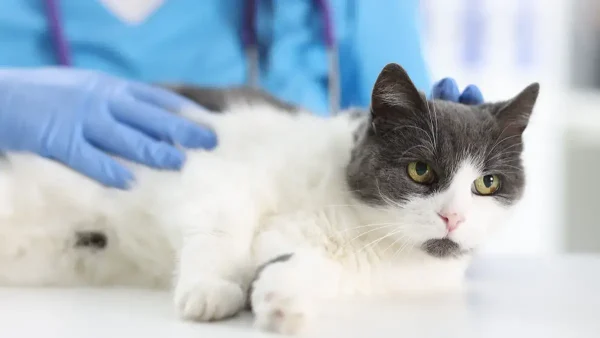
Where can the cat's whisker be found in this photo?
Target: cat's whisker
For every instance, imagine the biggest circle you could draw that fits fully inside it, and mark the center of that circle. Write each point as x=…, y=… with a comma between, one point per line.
x=341, y=205
x=400, y=249
x=393, y=203
x=349, y=190
x=488, y=152
x=505, y=154
x=410, y=247
x=371, y=230
x=394, y=242
x=511, y=166
x=430, y=123
x=436, y=126
x=414, y=147
x=429, y=139
x=501, y=141
x=398, y=127
x=506, y=151
x=409, y=156
x=404, y=246
x=386, y=199
x=510, y=172
x=389, y=201
x=515, y=168
x=370, y=225
x=379, y=240
x=514, y=145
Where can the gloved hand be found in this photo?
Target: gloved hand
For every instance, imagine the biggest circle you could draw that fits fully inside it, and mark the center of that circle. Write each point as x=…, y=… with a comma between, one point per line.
x=78, y=117
x=447, y=89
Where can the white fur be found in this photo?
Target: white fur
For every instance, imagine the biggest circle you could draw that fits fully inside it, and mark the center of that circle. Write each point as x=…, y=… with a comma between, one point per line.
x=275, y=185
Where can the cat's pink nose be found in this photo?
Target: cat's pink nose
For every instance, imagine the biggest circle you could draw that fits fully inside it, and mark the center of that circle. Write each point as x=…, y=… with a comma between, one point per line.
x=452, y=220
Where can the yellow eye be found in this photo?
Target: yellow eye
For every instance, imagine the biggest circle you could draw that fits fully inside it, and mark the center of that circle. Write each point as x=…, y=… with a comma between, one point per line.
x=420, y=172
x=487, y=185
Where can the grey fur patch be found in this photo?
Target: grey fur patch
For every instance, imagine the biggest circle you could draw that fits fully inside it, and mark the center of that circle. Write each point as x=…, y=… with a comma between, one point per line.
x=278, y=259
x=91, y=239
x=442, y=248
x=220, y=99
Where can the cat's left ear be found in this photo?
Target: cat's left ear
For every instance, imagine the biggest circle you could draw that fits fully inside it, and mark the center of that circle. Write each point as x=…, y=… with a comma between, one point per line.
x=395, y=96
x=514, y=115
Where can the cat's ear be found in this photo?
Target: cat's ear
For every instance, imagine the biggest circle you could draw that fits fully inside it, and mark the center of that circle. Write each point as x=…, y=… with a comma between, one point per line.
x=514, y=115
x=394, y=94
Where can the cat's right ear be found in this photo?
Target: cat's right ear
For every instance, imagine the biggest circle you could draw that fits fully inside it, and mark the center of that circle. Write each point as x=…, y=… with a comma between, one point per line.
x=395, y=95
x=514, y=115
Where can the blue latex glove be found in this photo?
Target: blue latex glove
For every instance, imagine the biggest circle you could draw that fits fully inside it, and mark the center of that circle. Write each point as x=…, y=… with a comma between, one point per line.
x=79, y=117
x=447, y=89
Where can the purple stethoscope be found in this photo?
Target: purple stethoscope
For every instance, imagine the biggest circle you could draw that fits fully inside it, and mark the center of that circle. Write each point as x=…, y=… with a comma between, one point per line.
x=249, y=40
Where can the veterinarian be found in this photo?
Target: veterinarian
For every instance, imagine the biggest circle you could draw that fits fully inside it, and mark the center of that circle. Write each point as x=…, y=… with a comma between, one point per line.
x=318, y=54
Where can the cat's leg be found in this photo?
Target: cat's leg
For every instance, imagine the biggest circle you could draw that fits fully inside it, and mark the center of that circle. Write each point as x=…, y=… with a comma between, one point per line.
x=212, y=278
x=214, y=268
x=287, y=291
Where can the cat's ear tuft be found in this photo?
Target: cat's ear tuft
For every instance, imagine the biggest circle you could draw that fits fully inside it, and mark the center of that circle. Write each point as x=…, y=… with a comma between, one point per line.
x=514, y=115
x=394, y=93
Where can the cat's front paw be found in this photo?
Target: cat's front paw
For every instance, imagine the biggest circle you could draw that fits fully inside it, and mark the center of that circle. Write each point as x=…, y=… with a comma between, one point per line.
x=208, y=299
x=288, y=292
x=278, y=312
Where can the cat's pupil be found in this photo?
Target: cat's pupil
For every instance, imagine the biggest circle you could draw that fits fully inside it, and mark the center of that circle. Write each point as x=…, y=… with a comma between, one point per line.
x=488, y=180
x=421, y=168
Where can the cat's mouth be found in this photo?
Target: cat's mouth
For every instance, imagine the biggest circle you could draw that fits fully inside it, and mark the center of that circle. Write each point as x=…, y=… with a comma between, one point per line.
x=442, y=248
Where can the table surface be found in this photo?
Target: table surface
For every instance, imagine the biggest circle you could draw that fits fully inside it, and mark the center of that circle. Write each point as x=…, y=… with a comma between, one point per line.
x=510, y=297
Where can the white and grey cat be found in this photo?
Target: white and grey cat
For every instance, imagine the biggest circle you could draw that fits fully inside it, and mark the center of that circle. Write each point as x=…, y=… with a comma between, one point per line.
x=288, y=211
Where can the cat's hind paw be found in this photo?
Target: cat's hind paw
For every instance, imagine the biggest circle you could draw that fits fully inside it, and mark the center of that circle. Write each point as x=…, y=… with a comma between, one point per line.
x=208, y=299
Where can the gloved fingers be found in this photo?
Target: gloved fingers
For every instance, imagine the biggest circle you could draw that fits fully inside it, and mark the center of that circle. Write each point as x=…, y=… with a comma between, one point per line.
x=163, y=125
x=98, y=166
x=471, y=95
x=447, y=90
x=160, y=97
x=130, y=144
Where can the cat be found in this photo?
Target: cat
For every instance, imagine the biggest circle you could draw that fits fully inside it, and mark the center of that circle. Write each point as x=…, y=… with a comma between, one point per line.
x=289, y=210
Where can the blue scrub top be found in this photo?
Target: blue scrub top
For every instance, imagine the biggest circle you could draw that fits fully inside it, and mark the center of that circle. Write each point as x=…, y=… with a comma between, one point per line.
x=198, y=42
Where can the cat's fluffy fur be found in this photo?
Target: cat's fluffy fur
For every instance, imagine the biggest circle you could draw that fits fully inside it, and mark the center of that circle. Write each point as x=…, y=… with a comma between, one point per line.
x=326, y=201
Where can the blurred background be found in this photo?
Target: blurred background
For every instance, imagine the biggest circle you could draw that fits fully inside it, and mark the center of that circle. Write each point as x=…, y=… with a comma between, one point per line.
x=502, y=46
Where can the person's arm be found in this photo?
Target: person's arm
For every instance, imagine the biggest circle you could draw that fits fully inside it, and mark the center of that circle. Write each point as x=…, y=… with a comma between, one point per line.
x=81, y=117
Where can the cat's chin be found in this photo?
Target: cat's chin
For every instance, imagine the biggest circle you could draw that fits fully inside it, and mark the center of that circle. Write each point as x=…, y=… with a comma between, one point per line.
x=443, y=248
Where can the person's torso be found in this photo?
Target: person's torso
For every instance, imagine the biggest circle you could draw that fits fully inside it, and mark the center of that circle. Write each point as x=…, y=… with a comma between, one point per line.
x=185, y=41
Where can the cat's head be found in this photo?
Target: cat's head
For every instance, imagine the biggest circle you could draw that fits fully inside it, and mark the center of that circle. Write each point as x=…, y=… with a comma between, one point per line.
x=446, y=173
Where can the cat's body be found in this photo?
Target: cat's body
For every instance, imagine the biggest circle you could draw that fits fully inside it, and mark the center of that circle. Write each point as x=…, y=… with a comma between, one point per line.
x=319, y=205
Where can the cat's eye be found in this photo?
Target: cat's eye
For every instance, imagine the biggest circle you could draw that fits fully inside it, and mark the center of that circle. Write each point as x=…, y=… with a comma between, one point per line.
x=420, y=172
x=487, y=185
